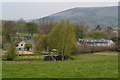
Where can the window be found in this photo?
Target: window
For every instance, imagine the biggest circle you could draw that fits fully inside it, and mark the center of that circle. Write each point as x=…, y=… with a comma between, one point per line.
x=16, y=45
x=21, y=44
x=19, y=48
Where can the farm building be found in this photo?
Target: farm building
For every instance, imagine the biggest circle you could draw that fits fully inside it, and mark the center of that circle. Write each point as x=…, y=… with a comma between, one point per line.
x=21, y=45
x=92, y=42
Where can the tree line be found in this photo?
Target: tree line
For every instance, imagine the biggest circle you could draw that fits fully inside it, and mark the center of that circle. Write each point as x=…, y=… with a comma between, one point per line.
x=61, y=36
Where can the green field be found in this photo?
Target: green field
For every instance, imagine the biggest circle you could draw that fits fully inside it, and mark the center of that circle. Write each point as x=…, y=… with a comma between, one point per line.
x=25, y=34
x=83, y=66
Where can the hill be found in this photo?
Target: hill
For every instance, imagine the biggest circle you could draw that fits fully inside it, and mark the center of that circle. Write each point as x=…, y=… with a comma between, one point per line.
x=104, y=16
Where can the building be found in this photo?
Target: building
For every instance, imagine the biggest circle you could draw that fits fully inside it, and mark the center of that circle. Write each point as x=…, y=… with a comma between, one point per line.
x=93, y=42
x=21, y=45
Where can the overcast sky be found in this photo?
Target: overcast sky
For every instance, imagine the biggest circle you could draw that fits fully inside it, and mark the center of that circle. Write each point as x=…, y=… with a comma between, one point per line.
x=33, y=10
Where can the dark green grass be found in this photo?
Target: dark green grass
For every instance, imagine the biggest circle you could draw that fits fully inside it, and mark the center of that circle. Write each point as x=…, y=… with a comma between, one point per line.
x=83, y=66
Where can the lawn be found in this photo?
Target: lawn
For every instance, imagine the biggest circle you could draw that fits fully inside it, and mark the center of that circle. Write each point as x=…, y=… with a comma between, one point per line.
x=24, y=34
x=83, y=66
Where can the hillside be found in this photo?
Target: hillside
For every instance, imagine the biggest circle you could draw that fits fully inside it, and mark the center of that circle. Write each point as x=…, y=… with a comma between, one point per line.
x=105, y=16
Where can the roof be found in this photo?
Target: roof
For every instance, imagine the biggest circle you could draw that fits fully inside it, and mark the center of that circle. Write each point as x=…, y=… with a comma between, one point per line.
x=93, y=40
x=29, y=41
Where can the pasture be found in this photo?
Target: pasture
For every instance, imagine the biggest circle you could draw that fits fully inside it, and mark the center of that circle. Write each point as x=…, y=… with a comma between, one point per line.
x=99, y=65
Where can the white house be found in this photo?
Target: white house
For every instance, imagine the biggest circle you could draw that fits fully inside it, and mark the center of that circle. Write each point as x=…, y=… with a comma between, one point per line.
x=21, y=45
x=93, y=42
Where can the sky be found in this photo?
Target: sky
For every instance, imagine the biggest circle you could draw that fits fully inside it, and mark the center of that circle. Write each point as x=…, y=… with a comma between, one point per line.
x=32, y=10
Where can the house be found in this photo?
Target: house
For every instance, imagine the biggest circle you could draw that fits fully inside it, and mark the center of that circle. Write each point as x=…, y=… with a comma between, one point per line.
x=93, y=42
x=21, y=45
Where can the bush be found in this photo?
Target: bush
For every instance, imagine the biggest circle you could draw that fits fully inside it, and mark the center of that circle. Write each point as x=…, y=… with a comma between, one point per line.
x=28, y=46
x=93, y=49
x=10, y=53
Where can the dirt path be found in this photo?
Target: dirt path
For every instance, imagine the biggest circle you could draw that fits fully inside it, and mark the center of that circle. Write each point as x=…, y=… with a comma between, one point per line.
x=25, y=52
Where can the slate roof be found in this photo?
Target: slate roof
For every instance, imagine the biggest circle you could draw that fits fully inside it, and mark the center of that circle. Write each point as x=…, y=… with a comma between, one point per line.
x=29, y=41
x=97, y=41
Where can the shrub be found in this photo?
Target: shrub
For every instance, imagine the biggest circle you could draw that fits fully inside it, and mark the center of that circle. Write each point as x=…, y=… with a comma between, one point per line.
x=28, y=46
x=11, y=52
x=92, y=49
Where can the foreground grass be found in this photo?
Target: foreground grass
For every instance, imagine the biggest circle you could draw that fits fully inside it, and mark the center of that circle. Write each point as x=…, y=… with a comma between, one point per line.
x=83, y=66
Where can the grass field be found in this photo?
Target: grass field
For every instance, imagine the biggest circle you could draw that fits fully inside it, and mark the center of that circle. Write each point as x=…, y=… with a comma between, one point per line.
x=83, y=66
x=25, y=34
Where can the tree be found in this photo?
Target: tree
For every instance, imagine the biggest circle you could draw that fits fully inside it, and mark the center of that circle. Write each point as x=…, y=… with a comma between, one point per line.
x=20, y=25
x=46, y=25
x=109, y=33
x=31, y=28
x=11, y=52
x=63, y=38
x=8, y=32
x=98, y=27
x=97, y=35
x=79, y=32
x=28, y=46
x=41, y=43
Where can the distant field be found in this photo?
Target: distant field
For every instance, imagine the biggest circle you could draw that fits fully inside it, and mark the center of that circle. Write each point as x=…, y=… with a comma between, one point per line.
x=83, y=66
x=25, y=34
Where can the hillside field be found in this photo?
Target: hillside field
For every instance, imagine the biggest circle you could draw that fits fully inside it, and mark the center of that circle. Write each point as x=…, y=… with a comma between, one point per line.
x=99, y=65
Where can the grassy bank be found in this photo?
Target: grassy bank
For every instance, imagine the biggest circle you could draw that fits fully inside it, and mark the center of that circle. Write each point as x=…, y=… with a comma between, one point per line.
x=83, y=66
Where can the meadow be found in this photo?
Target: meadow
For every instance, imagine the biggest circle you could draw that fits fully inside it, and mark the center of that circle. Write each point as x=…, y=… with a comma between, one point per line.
x=96, y=65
